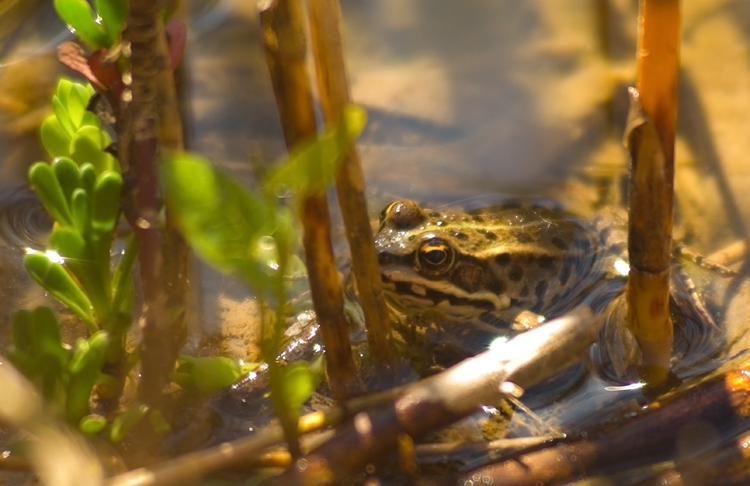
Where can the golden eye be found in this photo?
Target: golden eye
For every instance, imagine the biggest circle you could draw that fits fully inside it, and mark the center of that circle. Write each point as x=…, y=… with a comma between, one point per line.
x=402, y=214
x=435, y=256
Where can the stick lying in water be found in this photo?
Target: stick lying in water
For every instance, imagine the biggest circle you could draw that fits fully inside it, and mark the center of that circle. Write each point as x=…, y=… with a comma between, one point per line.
x=683, y=426
x=444, y=398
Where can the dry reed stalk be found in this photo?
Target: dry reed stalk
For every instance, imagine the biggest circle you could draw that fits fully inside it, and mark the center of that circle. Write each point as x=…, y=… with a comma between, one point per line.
x=284, y=40
x=651, y=186
x=333, y=87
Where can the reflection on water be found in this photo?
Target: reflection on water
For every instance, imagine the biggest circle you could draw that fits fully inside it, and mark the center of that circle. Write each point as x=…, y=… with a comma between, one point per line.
x=24, y=223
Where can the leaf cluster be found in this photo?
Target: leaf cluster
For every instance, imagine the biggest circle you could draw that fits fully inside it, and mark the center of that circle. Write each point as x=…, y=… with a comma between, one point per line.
x=100, y=29
x=64, y=376
x=80, y=189
x=73, y=131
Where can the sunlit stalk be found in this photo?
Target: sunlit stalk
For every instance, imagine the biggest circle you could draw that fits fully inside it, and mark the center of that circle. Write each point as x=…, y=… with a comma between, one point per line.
x=651, y=189
x=283, y=36
x=150, y=126
x=325, y=31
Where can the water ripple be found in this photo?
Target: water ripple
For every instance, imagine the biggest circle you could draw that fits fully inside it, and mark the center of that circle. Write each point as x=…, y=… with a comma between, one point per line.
x=24, y=223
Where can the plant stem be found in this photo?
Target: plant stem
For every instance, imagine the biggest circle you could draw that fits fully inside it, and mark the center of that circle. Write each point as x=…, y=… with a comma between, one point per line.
x=283, y=36
x=152, y=126
x=651, y=187
x=325, y=29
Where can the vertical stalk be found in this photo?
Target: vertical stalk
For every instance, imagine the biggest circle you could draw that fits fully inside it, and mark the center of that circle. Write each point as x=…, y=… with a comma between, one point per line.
x=283, y=36
x=651, y=187
x=325, y=31
x=151, y=126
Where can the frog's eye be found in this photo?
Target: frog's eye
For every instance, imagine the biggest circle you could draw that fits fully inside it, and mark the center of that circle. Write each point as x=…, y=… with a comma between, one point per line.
x=402, y=214
x=435, y=256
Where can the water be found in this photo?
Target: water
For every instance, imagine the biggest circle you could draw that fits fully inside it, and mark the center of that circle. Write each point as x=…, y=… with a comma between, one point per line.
x=468, y=99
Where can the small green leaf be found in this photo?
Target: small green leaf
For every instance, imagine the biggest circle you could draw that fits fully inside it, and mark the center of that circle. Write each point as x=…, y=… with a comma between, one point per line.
x=78, y=99
x=299, y=383
x=106, y=202
x=62, y=90
x=66, y=172
x=22, y=327
x=92, y=424
x=55, y=280
x=113, y=14
x=159, y=422
x=61, y=113
x=85, y=369
x=80, y=259
x=89, y=353
x=39, y=353
x=46, y=330
x=312, y=165
x=79, y=207
x=122, y=280
x=125, y=422
x=214, y=373
x=90, y=120
x=222, y=221
x=55, y=139
x=87, y=173
x=79, y=16
x=87, y=146
x=47, y=187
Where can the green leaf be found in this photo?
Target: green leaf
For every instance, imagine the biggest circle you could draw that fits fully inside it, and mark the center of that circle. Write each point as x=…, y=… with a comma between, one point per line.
x=125, y=422
x=79, y=16
x=66, y=172
x=46, y=335
x=299, y=383
x=90, y=271
x=39, y=353
x=55, y=280
x=79, y=206
x=106, y=202
x=92, y=424
x=113, y=14
x=89, y=353
x=55, y=139
x=85, y=368
x=47, y=187
x=214, y=373
x=159, y=422
x=78, y=99
x=87, y=146
x=88, y=177
x=122, y=280
x=221, y=220
x=61, y=113
x=313, y=164
x=90, y=120
x=22, y=327
x=62, y=91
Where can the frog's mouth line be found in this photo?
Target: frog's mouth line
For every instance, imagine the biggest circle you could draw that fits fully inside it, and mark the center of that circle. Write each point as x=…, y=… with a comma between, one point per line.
x=414, y=293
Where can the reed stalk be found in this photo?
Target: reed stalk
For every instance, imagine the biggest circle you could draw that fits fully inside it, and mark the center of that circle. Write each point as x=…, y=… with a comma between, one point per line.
x=333, y=87
x=282, y=24
x=651, y=187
